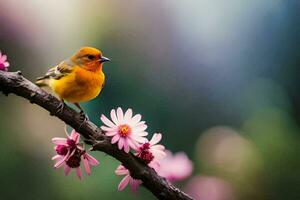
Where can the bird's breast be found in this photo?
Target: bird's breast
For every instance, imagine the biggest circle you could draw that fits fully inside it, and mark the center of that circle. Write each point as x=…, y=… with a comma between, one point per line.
x=79, y=86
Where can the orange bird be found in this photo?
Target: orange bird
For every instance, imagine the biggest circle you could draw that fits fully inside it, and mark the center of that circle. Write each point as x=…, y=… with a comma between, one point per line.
x=77, y=79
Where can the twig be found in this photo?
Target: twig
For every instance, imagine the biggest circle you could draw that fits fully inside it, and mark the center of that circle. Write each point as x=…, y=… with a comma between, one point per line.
x=14, y=82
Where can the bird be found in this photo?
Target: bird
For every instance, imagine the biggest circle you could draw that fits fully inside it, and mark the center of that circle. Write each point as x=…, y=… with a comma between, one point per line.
x=77, y=79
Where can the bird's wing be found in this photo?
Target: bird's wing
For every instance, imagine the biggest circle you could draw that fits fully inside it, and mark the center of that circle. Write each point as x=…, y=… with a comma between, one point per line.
x=59, y=71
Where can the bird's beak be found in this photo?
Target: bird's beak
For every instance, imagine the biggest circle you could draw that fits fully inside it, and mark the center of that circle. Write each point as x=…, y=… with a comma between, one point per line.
x=104, y=59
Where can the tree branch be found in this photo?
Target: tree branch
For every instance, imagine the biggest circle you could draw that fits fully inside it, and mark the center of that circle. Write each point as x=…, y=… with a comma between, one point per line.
x=14, y=82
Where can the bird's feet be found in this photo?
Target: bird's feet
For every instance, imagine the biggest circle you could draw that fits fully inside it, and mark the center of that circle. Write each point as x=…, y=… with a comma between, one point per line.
x=83, y=117
x=59, y=108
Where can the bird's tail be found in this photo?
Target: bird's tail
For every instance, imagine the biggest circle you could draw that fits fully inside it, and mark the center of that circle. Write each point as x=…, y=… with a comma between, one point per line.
x=42, y=81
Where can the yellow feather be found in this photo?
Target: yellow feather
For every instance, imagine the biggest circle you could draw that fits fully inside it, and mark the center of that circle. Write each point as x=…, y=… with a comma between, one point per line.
x=79, y=86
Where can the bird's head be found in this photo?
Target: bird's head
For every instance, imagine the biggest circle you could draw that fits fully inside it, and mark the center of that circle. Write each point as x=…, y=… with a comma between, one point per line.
x=89, y=58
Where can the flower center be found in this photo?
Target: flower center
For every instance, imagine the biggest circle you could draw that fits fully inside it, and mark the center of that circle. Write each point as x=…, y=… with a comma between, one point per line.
x=61, y=150
x=71, y=143
x=74, y=161
x=124, y=130
x=146, y=156
x=145, y=146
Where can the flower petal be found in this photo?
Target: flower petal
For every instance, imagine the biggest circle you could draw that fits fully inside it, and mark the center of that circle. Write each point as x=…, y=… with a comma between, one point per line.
x=138, y=138
x=158, y=147
x=155, y=138
x=93, y=161
x=86, y=165
x=134, y=184
x=127, y=116
x=56, y=157
x=124, y=182
x=121, y=143
x=111, y=133
x=120, y=115
x=133, y=144
x=139, y=123
x=71, y=154
x=63, y=159
x=113, y=116
x=79, y=173
x=108, y=129
x=67, y=170
x=3, y=58
x=155, y=165
x=107, y=122
x=59, y=163
x=158, y=154
x=140, y=128
x=121, y=170
x=80, y=147
x=6, y=64
x=75, y=136
x=126, y=145
x=141, y=133
x=115, y=139
x=59, y=141
x=135, y=120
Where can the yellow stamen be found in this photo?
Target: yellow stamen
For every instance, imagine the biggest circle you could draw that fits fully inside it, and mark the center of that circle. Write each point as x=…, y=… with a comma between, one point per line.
x=124, y=130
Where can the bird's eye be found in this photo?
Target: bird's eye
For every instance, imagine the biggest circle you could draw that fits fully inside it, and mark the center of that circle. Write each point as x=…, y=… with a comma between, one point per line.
x=91, y=57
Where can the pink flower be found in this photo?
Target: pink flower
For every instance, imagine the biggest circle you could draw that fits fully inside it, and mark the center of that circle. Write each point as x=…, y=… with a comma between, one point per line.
x=126, y=130
x=70, y=154
x=134, y=183
x=65, y=147
x=3, y=63
x=151, y=152
x=175, y=167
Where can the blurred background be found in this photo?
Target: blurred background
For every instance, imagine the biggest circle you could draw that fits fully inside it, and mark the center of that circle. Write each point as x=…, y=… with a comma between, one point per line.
x=219, y=79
